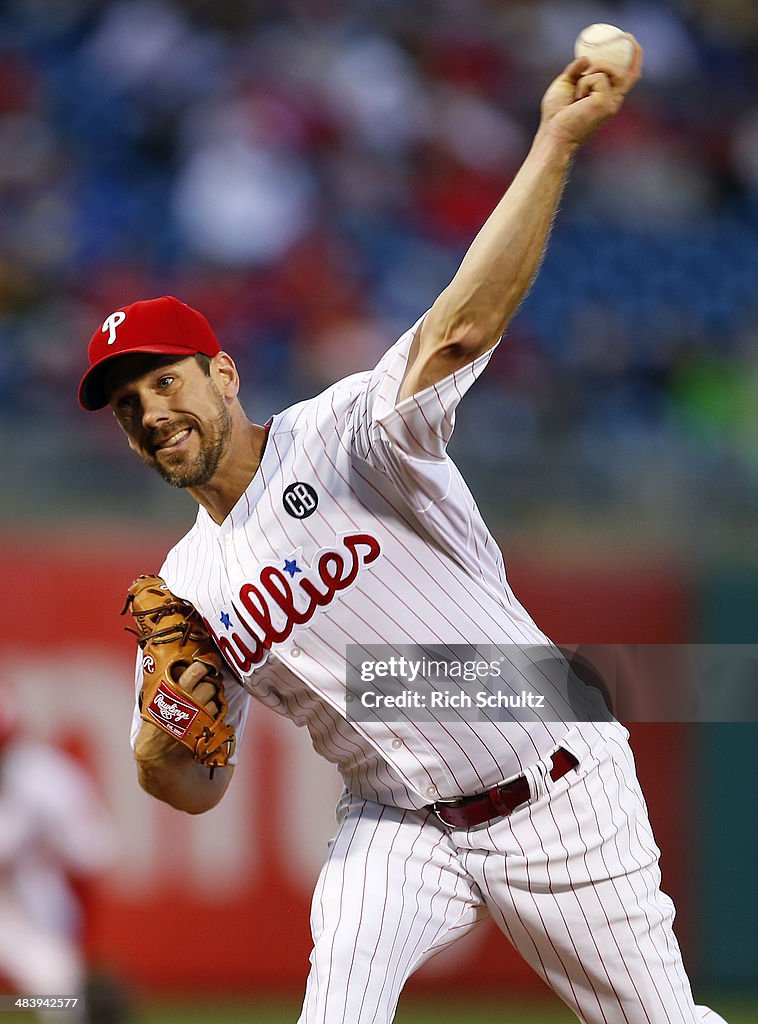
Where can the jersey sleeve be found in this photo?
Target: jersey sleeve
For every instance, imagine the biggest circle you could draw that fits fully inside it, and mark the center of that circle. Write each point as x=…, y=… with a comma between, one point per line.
x=408, y=439
x=421, y=425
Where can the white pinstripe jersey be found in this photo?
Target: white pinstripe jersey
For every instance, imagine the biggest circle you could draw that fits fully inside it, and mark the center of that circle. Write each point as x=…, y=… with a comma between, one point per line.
x=395, y=552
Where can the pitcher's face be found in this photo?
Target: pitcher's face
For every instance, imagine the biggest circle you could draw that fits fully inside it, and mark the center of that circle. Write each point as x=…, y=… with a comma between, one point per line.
x=174, y=416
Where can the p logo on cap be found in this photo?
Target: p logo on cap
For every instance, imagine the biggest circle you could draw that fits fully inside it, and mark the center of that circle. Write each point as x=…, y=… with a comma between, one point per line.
x=112, y=323
x=163, y=326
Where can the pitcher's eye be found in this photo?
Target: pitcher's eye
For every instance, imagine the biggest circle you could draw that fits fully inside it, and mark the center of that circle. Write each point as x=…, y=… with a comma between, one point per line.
x=126, y=404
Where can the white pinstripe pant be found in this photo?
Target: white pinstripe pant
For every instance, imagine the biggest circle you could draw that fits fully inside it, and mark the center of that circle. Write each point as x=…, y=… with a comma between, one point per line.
x=572, y=880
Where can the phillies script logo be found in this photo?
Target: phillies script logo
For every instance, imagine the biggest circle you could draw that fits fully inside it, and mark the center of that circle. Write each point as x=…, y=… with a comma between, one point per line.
x=171, y=713
x=278, y=601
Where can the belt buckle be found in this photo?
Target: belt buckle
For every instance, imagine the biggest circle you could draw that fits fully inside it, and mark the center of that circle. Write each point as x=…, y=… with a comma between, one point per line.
x=457, y=802
x=495, y=794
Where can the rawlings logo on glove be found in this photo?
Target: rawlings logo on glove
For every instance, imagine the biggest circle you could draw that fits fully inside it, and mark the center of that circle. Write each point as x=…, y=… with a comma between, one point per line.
x=172, y=636
x=168, y=712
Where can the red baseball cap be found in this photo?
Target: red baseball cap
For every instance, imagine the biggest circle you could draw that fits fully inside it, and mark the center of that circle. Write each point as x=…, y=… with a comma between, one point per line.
x=164, y=326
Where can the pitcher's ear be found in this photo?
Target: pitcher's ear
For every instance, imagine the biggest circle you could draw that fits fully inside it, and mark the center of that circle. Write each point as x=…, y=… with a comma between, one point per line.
x=224, y=373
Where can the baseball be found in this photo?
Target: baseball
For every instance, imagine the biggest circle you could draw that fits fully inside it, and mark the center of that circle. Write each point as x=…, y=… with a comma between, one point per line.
x=605, y=43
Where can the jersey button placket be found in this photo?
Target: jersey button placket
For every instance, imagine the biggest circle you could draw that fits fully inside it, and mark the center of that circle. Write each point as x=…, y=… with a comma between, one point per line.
x=234, y=571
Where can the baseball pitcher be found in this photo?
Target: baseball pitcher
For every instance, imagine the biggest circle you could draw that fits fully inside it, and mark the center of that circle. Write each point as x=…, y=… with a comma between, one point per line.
x=342, y=526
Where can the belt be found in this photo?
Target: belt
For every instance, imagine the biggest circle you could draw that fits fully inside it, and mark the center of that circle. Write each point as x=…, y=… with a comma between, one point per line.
x=467, y=811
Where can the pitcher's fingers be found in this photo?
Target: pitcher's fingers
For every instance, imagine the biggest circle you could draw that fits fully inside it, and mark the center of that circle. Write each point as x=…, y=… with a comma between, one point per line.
x=204, y=692
x=596, y=81
x=192, y=675
x=575, y=69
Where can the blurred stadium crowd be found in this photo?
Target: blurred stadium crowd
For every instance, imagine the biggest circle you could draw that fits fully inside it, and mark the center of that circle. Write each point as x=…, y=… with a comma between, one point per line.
x=309, y=172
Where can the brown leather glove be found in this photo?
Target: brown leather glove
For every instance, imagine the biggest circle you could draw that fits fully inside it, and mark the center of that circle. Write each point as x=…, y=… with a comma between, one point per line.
x=172, y=636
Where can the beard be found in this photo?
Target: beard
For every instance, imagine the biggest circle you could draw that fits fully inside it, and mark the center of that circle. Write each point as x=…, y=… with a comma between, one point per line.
x=214, y=437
